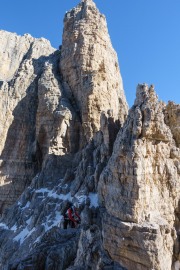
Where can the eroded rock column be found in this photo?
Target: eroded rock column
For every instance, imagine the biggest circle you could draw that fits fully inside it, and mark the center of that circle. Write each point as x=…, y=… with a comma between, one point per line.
x=140, y=188
x=89, y=66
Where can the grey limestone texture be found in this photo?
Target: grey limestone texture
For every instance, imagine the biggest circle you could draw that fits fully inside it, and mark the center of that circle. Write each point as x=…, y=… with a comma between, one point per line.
x=66, y=135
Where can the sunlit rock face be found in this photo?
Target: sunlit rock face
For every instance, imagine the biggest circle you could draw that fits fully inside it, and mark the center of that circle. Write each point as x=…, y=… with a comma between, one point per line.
x=140, y=187
x=89, y=66
x=47, y=112
x=172, y=119
x=67, y=136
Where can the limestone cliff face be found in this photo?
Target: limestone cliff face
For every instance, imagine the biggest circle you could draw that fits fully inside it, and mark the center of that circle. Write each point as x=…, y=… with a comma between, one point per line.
x=89, y=66
x=172, y=119
x=12, y=51
x=45, y=111
x=22, y=63
x=140, y=187
x=66, y=136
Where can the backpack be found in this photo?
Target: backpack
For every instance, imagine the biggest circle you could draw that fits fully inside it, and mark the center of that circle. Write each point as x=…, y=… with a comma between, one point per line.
x=66, y=213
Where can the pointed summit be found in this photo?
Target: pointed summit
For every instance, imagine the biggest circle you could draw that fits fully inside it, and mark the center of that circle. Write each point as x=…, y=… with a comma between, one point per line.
x=88, y=2
x=89, y=65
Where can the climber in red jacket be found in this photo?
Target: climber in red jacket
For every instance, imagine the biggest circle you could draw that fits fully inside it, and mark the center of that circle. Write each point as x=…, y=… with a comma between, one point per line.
x=72, y=217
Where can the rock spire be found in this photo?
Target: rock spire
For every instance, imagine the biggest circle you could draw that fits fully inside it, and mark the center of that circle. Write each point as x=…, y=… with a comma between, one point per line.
x=89, y=66
x=140, y=187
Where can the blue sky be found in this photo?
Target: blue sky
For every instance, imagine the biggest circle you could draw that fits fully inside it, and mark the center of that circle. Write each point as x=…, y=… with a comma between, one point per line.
x=145, y=34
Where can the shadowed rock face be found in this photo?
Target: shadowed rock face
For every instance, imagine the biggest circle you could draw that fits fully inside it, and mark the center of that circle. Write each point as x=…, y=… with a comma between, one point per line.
x=25, y=58
x=66, y=136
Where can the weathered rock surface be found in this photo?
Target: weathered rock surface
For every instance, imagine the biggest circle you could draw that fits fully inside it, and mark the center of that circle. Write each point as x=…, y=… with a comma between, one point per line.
x=25, y=58
x=172, y=119
x=57, y=250
x=140, y=187
x=89, y=67
x=46, y=127
x=66, y=137
x=14, y=50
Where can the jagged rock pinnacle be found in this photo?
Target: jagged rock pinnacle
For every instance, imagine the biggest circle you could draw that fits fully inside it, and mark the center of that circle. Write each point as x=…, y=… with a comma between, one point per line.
x=88, y=1
x=88, y=63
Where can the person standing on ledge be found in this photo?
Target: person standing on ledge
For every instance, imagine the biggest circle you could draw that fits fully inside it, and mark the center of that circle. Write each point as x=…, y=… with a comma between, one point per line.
x=71, y=217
